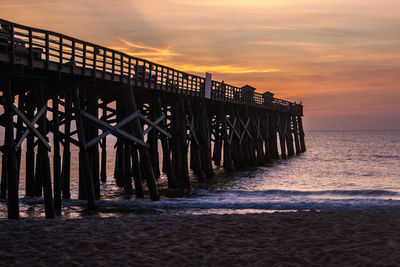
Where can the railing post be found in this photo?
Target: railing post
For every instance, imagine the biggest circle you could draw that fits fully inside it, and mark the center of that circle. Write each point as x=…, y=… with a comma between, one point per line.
x=156, y=80
x=104, y=62
x=95, y=51
x=136, y=72
x=113, y=64
x=61, y=51
x=121, y=59
x=47, y=49
x=11, y=159
x=130, y=70
x=150, y=73
x=73, y=56
x=167, y=83
x=12, y=43
x=83, y=57
x=30, y=48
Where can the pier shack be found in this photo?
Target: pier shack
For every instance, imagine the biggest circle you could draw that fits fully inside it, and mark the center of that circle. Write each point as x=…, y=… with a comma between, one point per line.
x=82, y=92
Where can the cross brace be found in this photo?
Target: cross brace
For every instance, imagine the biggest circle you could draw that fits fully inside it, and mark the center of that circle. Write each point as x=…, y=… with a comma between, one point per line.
x=245, y=129
x=115, y=130
x=31, y=127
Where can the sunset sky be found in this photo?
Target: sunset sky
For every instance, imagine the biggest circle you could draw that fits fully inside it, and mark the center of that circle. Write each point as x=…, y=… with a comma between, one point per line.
x=340, y=58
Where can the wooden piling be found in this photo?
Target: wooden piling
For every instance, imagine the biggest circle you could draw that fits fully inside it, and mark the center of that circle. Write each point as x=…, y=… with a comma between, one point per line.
x=301, y=133
x=56, y=155
x=195, y=155
x=19, y=132
x=262, y=157
x=124, y=172
x=296, y=134
x=3, y=192
x=66, y=165
x=217, y=153
x=91, y=132
x=204, y=140
x=282, y=136
x=152, y=140
x=30, y=153
x=144, y=153
x=44, y=159
x=136, y=173
x=236, y=148
x=119, y=169
x=84, y=155
x=127, y=179
x=265, y=134
x=165, y=146
x=273, y=139
x=12, y=186
x=179, y=147
x=38, y=175
x=246, y=140
x=81, y=185
x=227, y=164
x=119, y=164
x=289, y=137
x=103, y=145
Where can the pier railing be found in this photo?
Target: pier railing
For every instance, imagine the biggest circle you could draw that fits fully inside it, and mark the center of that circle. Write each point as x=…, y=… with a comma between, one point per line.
x=56, y=48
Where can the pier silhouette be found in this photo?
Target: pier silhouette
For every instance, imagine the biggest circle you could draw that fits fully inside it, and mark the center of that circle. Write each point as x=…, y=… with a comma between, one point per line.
x=95, y=91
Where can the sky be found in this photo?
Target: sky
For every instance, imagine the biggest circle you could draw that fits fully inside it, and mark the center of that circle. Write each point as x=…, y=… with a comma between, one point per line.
x=340, y=58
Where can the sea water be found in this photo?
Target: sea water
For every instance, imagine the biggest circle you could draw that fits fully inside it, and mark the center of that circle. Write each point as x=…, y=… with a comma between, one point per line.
x=339, y=170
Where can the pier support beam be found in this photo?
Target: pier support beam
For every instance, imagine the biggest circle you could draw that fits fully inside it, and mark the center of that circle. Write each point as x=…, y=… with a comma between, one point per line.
x=234, y=135
x=136, y=173
x=265, y=133
x=282, y=136
x=152, y=140
x=11, y=162
x=204, y=140
x=289, y=136
x=56, y=155
x=165, y=143
x=273, y=139
x=3, y=193
x=30, y=153
x=301, y=133
x=103, y=145
x=66, y=165
x=144, y=153
x=84, y=162
x=217, y=152
x=227, y=164
x=92, y=132
x=44, y=159
x=296, y=134
x=179, y=145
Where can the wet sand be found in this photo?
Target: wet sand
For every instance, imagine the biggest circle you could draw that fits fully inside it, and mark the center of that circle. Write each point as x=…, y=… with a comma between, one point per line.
x=281, y=239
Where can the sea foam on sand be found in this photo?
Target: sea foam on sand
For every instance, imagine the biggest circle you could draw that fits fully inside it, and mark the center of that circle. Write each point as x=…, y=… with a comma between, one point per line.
x=297, y=238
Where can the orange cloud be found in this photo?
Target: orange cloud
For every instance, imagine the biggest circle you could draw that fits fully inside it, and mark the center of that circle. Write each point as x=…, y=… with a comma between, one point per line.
x=222, y=69
x=143, y=50
x=340, y=57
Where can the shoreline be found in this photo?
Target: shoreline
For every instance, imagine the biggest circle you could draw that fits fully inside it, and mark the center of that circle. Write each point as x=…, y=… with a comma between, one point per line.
x=291, y=238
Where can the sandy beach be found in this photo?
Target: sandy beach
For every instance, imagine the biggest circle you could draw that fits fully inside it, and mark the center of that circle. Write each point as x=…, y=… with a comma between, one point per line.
x=280, y=239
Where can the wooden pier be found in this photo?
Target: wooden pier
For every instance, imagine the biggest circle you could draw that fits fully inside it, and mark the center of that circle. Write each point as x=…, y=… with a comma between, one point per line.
x=82, y=92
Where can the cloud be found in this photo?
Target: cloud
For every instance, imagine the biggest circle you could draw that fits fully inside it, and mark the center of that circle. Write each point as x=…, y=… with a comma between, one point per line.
x=142, y=50
x=339, y=57
x=222, y=69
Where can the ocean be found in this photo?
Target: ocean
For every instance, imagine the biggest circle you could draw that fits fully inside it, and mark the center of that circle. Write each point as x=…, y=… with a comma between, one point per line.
x=346, y=170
